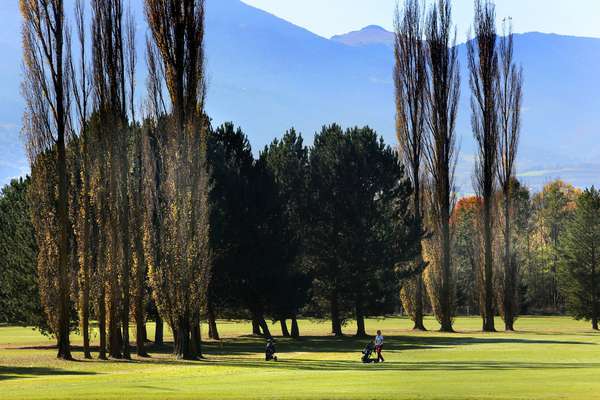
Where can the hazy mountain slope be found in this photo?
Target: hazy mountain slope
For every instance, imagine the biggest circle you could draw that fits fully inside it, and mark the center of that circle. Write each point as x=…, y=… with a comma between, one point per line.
x=267, y=75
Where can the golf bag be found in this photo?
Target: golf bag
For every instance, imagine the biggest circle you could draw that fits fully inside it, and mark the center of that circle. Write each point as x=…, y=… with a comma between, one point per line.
x=366, y=354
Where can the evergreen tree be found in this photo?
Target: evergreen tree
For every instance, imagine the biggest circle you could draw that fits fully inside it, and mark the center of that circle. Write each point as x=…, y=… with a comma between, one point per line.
x=360, y=221
x=19, y=294
x=580, y=261
x=286, y=161
x=233, y=201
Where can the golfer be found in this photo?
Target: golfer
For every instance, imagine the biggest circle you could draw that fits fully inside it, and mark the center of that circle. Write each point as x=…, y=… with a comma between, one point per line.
x=379, y=346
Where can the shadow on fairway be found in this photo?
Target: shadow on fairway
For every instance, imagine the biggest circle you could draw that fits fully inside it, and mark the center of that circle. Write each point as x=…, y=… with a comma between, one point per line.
x=321, y=344
x=31, y=372
x=255, y=345
x=320, y=365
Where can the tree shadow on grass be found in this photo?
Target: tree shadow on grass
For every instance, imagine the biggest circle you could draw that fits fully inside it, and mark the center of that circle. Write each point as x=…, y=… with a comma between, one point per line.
x=31, y=372
x=229, y=348
x=347, y=365
x=324, y=344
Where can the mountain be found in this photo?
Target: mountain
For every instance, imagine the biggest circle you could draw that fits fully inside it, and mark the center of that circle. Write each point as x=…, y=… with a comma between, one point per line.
x=370, y=35
x=268, y=75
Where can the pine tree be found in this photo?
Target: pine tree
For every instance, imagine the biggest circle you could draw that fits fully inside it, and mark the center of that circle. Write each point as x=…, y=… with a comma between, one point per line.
x=580, y=259
x=19, y=294
x=286, y=161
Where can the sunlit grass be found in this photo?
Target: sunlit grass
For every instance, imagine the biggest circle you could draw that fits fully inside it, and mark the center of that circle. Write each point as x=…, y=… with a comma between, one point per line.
x=547, y=358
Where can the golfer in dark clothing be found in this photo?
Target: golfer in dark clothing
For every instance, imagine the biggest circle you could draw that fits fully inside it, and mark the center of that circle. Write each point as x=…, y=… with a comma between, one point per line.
x=270, y=351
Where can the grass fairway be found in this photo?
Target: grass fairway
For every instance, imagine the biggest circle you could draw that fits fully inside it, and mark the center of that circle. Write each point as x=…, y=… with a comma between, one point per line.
x=549, y=358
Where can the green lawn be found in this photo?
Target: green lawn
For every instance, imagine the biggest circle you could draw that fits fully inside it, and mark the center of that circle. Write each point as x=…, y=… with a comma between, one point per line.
x=555, y=358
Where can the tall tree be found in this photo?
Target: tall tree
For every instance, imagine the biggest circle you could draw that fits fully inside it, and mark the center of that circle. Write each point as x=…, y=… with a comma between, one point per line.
x=510, y=93
x=231, y=161
x=286, y=161
x=580, y=259
x=410, y=78
x=483, y=77
x=86, y=228
x=180, y=272
x=136, y=186
x=326, y=245
x=359, y=221
x=46, y=129
x=108, y=51
x=442, y=96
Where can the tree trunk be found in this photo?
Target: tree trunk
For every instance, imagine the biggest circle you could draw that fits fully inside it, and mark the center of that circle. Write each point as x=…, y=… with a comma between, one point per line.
x=197, y=341
x=336, y=323
x=125, y=337
x=419, y=325
x=445, y=300
x=85, y=320
x=284, y=328
x=488, y=320
x=183, y=350
x=102, y=325
x=114, y=330
x=418, y=317
x=360, y=319
x=145, y=332
x=126, y=249
x=213, y=332
x=158, y=331
x=140, y=289
x=295, y=330
x=256, y=326
x=63, y=342
x=140, y=335
x=509, y=324
x=594, y=301
x=509, y=271
x=264, y=327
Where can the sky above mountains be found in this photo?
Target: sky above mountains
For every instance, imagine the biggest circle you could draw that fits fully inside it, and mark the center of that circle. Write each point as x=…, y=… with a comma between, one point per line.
x=332, y=17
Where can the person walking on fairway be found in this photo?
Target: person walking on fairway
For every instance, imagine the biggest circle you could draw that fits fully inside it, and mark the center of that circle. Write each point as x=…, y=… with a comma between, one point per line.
x=379, y=346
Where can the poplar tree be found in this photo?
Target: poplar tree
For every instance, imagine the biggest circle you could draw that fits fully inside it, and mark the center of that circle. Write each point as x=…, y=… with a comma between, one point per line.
x=46, y=130
x=410, y=78
x=112, y=137
x=510, y=96
x=180, y=268
x=483, y=69
x=443, y=91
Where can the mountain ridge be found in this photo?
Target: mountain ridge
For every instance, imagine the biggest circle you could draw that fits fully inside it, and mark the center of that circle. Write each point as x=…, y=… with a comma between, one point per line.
x=369, y=35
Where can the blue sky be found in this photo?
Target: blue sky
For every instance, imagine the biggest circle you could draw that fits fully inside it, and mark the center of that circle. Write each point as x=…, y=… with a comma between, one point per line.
x=330, y=17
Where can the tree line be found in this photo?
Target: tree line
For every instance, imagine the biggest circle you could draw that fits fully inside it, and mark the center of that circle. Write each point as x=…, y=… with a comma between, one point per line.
x=151, y=212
